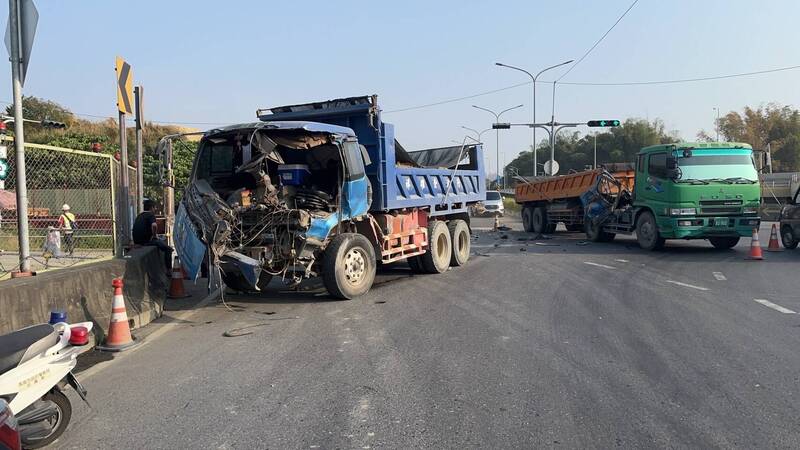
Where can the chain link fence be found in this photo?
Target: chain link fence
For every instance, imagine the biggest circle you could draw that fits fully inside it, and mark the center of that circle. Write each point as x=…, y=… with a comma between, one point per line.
x=57, y=177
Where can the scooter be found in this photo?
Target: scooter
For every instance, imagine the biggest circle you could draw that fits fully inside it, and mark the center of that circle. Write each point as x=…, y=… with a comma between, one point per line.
x=35, y=367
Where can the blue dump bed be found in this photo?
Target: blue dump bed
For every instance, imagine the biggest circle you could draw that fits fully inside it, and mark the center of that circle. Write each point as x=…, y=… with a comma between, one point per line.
x=446, y=180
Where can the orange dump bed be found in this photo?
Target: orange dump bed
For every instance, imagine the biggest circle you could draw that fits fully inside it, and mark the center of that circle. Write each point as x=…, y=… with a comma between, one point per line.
x=566, y=186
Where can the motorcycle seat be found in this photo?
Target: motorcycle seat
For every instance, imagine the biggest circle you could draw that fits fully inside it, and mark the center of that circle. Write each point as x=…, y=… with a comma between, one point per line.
x=22, y=345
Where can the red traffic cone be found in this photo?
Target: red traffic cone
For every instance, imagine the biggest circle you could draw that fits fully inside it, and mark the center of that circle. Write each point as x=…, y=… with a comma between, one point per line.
x=176, y=285
x=774, y=245
x=119, y=331
x=755, y=247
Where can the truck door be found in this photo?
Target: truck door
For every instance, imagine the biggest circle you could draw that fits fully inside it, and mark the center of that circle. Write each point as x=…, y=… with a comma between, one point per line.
x=652, y=182
x=356, y=199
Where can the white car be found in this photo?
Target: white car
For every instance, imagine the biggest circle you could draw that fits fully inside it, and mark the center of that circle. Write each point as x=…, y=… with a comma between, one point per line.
x=493, y=205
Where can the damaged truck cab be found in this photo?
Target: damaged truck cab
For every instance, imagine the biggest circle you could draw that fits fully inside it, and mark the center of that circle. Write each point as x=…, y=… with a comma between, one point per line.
x=297, y=195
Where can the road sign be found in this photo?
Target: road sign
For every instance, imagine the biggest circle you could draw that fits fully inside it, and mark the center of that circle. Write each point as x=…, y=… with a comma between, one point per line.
x=603, y=123
x=3, y=168
x=551, y=167
x=28, y=18
x=124, y=86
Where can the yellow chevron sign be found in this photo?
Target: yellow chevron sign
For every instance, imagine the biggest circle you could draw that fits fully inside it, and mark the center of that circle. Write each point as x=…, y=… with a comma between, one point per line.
x=124, y=86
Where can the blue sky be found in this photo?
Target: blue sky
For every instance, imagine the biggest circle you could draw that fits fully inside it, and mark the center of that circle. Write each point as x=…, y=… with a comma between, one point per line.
x=204, y=61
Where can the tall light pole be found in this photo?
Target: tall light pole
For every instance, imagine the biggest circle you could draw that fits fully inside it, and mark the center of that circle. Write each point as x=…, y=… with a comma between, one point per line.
x=497, y=134
x=533, y=78
x=716, y=124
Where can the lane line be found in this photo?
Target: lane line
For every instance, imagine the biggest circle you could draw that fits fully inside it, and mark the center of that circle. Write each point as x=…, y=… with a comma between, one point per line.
x=719, y=276
x=599, y=265
x=699, y=288
x=621, y=260
x=778, y=308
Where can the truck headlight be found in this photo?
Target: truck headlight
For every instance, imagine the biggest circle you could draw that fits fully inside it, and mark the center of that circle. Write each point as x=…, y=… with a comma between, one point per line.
x=750, y=210
x=682, y=211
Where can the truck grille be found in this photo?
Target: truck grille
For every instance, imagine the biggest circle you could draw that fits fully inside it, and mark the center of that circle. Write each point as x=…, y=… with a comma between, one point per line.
x=721, y=210
x=720, y=202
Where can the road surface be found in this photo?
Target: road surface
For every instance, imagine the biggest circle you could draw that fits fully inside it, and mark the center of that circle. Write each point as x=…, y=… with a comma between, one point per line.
x=535, y=343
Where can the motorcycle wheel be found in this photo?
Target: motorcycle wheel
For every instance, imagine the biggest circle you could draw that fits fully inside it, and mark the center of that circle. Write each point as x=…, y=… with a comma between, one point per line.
x=58, y=422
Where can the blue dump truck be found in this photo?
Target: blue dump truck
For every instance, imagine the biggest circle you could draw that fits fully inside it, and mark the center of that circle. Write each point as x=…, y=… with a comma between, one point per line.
x=324, y=189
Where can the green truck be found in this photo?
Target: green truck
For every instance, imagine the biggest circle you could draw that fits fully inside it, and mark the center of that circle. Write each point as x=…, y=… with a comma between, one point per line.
x=690, y=190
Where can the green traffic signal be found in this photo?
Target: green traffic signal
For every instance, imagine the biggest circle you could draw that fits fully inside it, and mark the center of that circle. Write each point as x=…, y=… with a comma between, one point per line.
x=603, y=123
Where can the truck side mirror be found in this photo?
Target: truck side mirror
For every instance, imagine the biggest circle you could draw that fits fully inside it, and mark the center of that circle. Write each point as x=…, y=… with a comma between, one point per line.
x=672, y=162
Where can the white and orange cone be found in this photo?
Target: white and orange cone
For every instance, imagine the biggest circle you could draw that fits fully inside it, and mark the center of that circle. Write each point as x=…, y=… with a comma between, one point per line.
x=176, y=284
x=755, y=247
x=774, y=245
x=119, y=331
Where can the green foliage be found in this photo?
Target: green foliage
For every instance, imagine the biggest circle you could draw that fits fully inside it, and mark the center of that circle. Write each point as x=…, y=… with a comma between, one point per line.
x=576, y=152
x=39, y=109
x=778, y=126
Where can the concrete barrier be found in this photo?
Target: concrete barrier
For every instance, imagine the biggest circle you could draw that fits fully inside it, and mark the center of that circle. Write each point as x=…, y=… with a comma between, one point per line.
x=85, y=292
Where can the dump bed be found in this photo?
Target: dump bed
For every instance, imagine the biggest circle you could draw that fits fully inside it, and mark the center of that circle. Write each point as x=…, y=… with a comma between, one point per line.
x=566, y=186
x=446, y=179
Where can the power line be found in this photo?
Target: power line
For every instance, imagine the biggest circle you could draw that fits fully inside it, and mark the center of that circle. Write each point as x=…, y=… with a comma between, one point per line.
x=578, y=83
x=598, y=41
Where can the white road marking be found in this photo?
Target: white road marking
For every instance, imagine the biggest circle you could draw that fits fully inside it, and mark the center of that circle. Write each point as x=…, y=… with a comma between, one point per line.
x=621, y=260
x=778, y=308
x=599, y=265
x=699, y=288
x=719, y=276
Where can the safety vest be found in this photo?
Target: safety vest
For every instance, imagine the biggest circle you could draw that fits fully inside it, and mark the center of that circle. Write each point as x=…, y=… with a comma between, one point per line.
x=68, y=219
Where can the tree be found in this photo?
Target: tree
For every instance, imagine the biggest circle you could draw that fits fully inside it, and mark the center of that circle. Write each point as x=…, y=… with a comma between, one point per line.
x=39, y=109
x=772, y=125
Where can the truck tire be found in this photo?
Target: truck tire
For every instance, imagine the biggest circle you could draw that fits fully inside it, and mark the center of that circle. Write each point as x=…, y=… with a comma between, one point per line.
x=348, y=266
x=788, y=239
x=540, y=220
x=527, y=219
x=724, y=242
x=461, y=242
x=647, y=232
x=595, y=233
x=437, y=258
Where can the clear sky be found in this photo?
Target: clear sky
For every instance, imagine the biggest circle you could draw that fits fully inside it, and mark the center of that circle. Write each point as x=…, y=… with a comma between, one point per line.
x=210, y=61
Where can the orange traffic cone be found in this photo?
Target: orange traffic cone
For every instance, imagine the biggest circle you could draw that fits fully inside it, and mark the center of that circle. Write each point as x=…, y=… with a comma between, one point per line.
x=119, y=331
x=176, y=285
x=774, y=246
x=755, y=247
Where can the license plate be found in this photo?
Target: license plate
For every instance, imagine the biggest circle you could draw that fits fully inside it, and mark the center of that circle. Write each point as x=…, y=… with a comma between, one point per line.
x=721, y=222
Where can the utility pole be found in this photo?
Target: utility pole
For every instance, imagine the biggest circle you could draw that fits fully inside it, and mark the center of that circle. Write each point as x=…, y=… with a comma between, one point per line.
x=14, y=24
x=169, y=195
x=716, y=124
x=594, y=166
x=497, y=136
x=138, y=95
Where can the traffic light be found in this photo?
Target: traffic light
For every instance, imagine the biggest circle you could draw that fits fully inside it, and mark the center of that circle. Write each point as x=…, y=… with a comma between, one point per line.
x=603, y=123
x=501, y=126
x=53, y=124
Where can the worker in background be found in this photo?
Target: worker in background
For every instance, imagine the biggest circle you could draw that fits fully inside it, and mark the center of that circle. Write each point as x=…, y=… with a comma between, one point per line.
x=66, y=223
x=145, y=232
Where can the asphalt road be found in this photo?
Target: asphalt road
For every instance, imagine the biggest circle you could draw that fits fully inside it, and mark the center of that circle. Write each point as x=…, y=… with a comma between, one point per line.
x=534, y=343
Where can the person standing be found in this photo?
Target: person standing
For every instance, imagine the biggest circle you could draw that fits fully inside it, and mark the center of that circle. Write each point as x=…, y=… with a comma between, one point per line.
x=66, y=223
x=145, y=232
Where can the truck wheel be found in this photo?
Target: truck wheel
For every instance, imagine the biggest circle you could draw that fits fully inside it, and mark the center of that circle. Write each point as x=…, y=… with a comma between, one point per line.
x=788, y=238
x=647, y=232
x=595, y=233
x=724, y=242
x=437, y=258
x=527, y=219
x=348, y=266
x=460, y=241
x=539, y=220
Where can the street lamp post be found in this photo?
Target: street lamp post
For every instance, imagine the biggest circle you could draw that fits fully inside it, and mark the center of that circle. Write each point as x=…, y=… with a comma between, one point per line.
x=533, y=78
x=716, y=124
x=497, y=134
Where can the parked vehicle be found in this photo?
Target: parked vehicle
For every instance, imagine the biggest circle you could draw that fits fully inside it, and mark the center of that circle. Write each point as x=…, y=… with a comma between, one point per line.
x=492, y=206
x=790, y=222
x=679, y=191
x=35, y=366
x=324, y=189
x=9, y=428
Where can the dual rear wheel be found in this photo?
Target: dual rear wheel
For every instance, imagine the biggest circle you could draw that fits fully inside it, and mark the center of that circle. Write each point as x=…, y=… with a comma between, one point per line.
x=449, y=244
